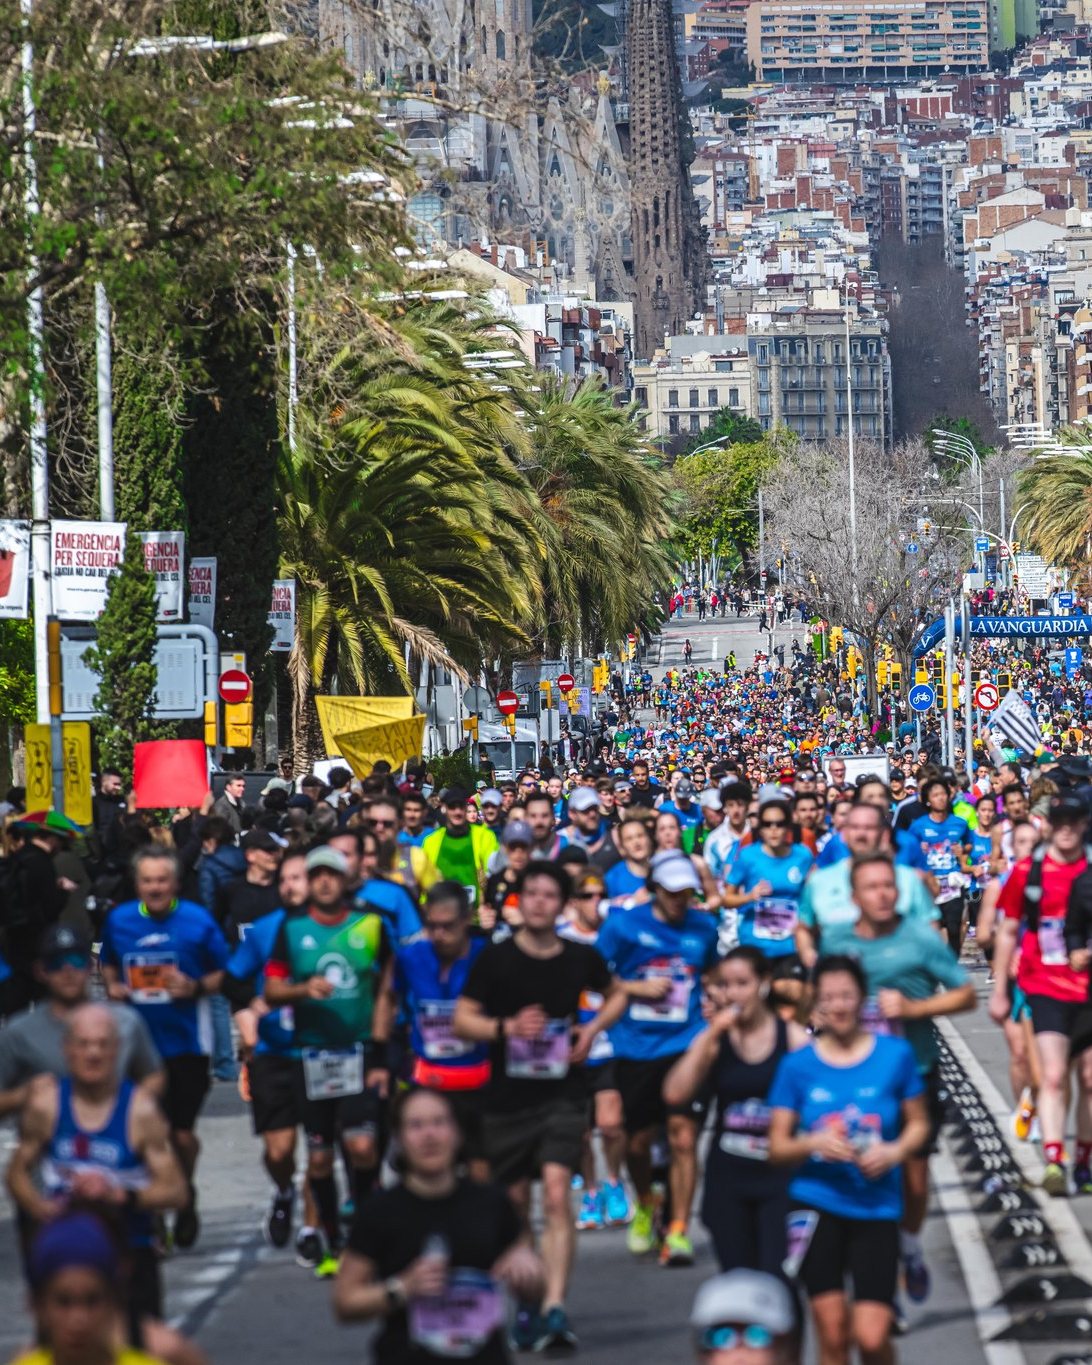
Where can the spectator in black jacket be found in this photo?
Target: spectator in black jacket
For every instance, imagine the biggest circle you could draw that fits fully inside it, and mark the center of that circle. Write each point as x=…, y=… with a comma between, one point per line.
x=35, y=897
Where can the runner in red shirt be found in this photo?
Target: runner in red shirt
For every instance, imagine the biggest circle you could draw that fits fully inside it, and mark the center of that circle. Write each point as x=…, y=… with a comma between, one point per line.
x=1057, y=995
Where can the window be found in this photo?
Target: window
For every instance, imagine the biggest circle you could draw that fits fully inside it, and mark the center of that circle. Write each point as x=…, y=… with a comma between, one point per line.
x=733, y=398
x=672, y=398
x=712, y=398
x=694, y=398
x=500, y=45
x=642, y=395
x=695, y=422
x=673, y=425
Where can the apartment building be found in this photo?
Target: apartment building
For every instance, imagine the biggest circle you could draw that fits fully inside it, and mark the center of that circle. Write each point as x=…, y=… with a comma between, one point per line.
x=866, y=40
x=688, y=382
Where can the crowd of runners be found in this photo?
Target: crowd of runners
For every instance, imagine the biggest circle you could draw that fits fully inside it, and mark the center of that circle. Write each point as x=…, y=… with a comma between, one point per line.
x=695, y=977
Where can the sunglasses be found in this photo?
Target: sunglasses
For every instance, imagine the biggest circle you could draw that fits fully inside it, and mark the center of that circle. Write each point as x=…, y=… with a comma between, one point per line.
x=373, y=823
x=725, y=1338
x=61, y=960
x=773, y=824
x=587, y=895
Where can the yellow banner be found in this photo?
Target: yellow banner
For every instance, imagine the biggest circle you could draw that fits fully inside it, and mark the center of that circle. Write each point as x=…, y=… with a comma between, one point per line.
x=340, y=714
x=76, y=749
x=394, y=740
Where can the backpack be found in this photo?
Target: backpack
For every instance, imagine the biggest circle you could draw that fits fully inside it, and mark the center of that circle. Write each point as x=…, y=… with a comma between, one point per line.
x=1033, y=888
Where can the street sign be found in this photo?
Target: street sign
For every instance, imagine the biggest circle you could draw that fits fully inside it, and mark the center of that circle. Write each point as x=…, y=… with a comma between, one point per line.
x=1003, y=551
x=1065, y=601
x=922, y=696
x=981, y=545
x=565, y=682
x=76, y=747
x=234, y=685
x=987, y=697
x=912, y=547
x=507, y=703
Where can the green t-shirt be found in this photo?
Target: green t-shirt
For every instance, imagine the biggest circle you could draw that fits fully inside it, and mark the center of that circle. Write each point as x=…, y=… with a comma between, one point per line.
x=350, y=952
x=911, y=960
x=456, y=862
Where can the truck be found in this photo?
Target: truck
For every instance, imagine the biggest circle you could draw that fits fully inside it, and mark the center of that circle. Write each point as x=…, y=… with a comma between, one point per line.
x=509, y=754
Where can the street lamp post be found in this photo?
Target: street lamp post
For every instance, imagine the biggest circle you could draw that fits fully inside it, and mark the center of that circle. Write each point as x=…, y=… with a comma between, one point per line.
x=852, y=456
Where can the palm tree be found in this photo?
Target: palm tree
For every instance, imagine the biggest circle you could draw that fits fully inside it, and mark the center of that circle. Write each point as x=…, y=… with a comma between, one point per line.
x=402, y=513
x=606, y=514
x=1057, y=488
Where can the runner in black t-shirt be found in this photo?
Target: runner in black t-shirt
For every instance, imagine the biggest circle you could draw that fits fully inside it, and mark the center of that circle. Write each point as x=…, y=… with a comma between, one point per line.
x=430, y=1256
x=523, y=995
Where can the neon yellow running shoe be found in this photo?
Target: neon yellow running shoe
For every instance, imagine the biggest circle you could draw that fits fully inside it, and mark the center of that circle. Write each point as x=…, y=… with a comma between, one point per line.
x=641, y=1237
x=677, y=1248
x=326, y=1268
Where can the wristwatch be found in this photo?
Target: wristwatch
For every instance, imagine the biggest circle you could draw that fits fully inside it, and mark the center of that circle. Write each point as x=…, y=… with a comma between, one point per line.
x=500, y=1030
x=396, y=1294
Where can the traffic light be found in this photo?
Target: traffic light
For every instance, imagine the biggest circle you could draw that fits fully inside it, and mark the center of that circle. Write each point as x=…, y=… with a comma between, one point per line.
x=547, y=690
x=471, y=727
x=853, y=661
x=896, y=678
x=509, y=724
x=239, y=724
x=212, y=719
x=1004, y=682
x=836, y=637
x=936, y=672
x=883, y=672
x=53, y=666
x=921, y=675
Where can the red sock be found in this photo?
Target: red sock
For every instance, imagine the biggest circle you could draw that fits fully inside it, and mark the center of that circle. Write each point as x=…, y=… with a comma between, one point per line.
x=1053, y=1152
x=1084, y=1153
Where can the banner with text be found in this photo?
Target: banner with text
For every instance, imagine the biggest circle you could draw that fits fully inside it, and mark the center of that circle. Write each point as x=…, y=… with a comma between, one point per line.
x=282, y=614
x=203, y=591
x=164, y=556
x=14, y=569
x=83, y=555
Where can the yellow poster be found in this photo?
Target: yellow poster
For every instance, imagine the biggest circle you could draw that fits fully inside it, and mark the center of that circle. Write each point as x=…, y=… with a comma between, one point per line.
x=76, y=761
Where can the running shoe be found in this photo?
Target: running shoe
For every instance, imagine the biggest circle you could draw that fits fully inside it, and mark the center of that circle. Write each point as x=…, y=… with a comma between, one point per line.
x=677, y=1250
x=187, y=1226
x=327, y=1267
x=900, y=1324
x=1024, y=1116
x=1082, y=1179
x=916, y=1278
x=278, y=1222
x=308, y=1248
x=556, y=1336
x=590, y=1217
x=1054, y=1180
x=641, y=1238
x=616, y=1206
x=524, y=1332
x=577, y=1182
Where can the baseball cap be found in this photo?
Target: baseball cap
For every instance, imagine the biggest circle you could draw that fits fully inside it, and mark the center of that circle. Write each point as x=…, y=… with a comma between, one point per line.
x=1066, y=806
x=746, y=1297
x=517, y=832
x=584, y=798
x=275, y=784
x=710, y=799
x=262, y=840
x=60, y=940
x=454, y=796
x=332, y=859
x=684, y=788
x=674, y=871
x=490, y=797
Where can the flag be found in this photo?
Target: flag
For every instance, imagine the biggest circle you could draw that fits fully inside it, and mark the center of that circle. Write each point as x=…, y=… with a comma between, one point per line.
x=1015, y=720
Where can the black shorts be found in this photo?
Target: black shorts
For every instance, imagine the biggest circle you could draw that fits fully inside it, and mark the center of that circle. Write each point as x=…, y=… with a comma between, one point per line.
x=324, y=1121
x=187, y=1085
x=602, y=1077
x=934, y=1106
x=641, y=1084
x=520, y=1143
x=867, y=1250
x=467, y=1105
x=274, y=1103
x=1071, y=1017
x=143, y=1290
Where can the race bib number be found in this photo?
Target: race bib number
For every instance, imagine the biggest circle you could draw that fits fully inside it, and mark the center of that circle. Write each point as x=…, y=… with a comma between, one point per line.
x=330, y=1074
x=545, y=1058
x=774, y=919
x=1052, y=947
x=146, y=976
x=436, y=1021
x=458, y=1323
x=746, y=1130
x=874, y=1021
x=674, y=1007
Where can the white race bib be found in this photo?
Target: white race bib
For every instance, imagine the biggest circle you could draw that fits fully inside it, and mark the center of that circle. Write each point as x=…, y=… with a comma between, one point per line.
x=545, y=1058
x=331, y=1073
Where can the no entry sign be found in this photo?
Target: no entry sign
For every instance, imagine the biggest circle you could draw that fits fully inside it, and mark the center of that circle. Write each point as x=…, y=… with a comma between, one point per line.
x=987, y=697
x=507, y=703
x=565, y=682
x=235, y=685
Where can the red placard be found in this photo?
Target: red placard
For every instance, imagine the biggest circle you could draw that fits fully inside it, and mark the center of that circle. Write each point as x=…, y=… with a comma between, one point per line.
x=169, y=772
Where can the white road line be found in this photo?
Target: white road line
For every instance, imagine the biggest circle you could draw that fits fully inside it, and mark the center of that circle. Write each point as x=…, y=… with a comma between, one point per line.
x=1056, y=1213
x=713, y=651
x=979, y=1275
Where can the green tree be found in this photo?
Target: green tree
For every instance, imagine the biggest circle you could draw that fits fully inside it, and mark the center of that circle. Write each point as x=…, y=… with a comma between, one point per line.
x=123, y=655
x=720, y=491
x=148, y=465
x=16, y=687
x=728, y=427
x=1057, y=487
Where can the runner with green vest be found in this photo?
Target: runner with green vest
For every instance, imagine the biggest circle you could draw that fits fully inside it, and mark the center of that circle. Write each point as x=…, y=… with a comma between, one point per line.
x=460, y=850
x=332, y=968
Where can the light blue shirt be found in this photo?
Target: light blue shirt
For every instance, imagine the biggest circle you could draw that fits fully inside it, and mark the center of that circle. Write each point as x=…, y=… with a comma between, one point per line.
x=827, y=900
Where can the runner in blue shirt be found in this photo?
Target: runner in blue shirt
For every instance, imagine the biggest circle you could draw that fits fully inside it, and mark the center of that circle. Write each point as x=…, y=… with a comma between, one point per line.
x=766, y=882
x=660, y=952
x=163, y=956
x=848, y=1109
x=945, y=840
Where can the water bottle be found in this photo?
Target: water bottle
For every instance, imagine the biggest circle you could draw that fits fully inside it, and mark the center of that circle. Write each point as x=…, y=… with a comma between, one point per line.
x=437, y=1248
